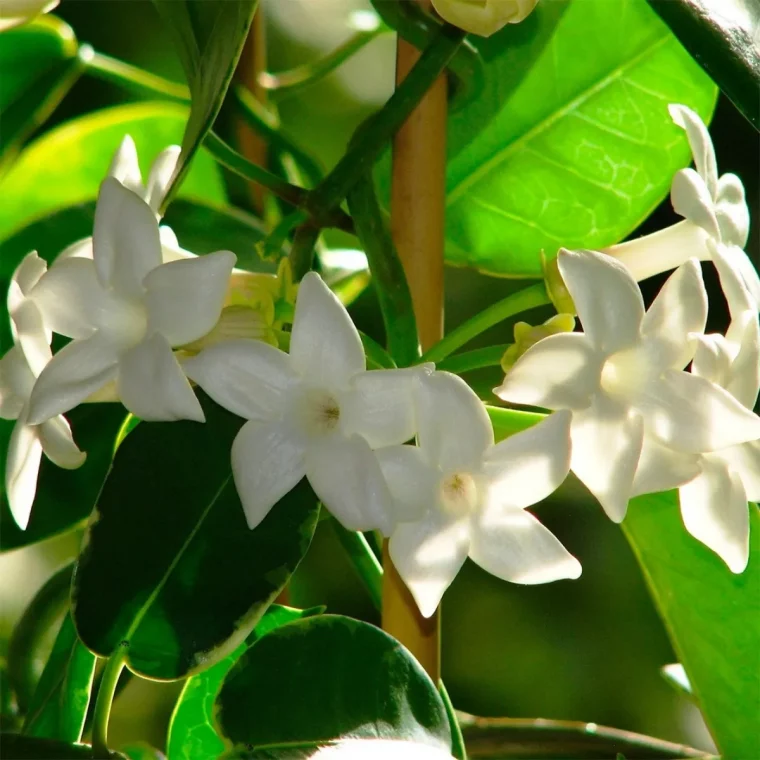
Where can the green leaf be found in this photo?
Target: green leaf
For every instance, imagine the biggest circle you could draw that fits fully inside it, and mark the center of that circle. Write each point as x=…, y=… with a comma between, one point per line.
x=170, y=565
x=583, y=150
x=329, y=677
x=209, y=38
x=192, y=735
x=722, y=35
x=66, y=165
x=18, y=747
x=40, y=64
x=712, y=615
x=65, y=498
x=59, y=705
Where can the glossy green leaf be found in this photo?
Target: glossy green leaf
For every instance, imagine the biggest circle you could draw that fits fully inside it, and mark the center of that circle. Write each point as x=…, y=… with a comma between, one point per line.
x=66, y=165
x=723, y=36
x=583, y=150
x=170, y=565
x=209, y=38
x=712, y=615
x=59, y=705
x=65, y=498
x=326, y=678
x=40, y=65
x=192, y=735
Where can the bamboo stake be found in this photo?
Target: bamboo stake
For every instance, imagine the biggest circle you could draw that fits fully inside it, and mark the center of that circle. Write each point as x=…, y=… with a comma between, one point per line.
x=417, y=216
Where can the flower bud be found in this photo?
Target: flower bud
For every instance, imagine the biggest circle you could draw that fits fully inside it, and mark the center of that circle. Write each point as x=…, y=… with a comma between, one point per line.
x=527, y=335
x=16, y=12
x=483, y=17
x=555, y=286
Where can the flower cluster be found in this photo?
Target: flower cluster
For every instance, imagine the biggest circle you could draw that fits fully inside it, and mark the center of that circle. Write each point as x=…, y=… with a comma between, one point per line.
x=642, y=400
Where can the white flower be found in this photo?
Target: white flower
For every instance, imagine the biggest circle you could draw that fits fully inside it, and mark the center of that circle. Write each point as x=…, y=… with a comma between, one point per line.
x=715, y=213
x=314, y=412
x=459, y=495
x=125, y=311
x=622, y=377
x=17, y=12
x=380, y=749
x=19, y=369
x=483, y=17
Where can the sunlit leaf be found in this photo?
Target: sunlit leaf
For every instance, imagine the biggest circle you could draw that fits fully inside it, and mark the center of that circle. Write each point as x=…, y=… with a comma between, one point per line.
x=169, y=564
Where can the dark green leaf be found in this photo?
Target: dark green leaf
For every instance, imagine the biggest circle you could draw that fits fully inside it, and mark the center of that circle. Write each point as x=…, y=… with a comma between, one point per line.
x=192, y=735
x=209, y=38
x=723, y=36
x=65, y=498
x=583, y=150
x=65, y=166
x=40, y=64
x=59, y=705
x=17, y=747
x=712, y=615
x=170, y=565
x=329, y=677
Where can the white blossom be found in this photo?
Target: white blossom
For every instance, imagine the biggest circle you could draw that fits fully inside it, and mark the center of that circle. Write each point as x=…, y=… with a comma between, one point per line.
x=316, y=412
x=622, y=378
x=125, y=311
x=483, y=17
x=458, y=494
x=19, y=369
x=715, y=214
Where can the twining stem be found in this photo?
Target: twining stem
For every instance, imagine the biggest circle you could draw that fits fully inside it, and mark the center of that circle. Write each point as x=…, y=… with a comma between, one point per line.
x=363, y=560
x=417, y=222
x=48, y=604
x=516, y=303
x=106, y=692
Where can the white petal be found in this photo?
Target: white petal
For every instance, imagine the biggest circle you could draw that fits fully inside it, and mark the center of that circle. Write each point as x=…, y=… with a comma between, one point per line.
x=606, y=297
x=744, y=381
x=325, y=347
x=454, y=430
x=161, y=173
x=25, y=277
x=737, y=266
x=428, y=554
x=82, y=249
x=170, y=247
x=713, y=359
x=185, y=298
x=247, y=377
x=678, y=311
x=744, y=460
x=21, y=469
x=268, y=461
x=527, y=467
x=692, y=414
x=700, y=143
x=153, y=386
x=512, y=545
x=380, y=405
x=732, y=211
x=31, y=335
x=714, y=510
x=346, y=476
x=606, y=445
x=16, y=383
x=125, y=239
x=412, y=480
x=559, y=372
x=662, y=468
x=125, y=166
x=74, y=373
x=58, y=444
x=691, y=200
x=380, y=749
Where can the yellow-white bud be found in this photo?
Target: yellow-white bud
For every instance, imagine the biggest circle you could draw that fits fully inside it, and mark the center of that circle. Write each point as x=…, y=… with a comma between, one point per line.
x=527, y=335
x=483, y=17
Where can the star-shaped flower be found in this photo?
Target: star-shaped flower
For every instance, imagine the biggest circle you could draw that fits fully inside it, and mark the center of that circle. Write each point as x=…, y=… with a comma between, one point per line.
x=623, y=377
x=316, y=412
x=19, y=369
x=126, y=311
x=459, y=495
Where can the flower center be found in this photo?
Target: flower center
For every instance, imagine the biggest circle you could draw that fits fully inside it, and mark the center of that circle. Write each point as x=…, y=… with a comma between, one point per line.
x=626, y=373
x=320, y=412
x=459, y=494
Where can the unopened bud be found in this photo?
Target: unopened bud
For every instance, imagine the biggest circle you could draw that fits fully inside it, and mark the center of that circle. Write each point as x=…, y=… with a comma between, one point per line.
x=483, y=17
x=528, y=335
x=555, y=286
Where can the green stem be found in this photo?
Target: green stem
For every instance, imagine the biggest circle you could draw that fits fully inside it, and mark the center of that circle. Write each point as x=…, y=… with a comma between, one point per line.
x=480, y=358
x=387, y=272
x=302, y=250
x=528, y=298
x=32, y=628
x=124, y=74
x=106, y=692
x=371, y=137
x=302, y=76
x=363, y=559
x=458, y=749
